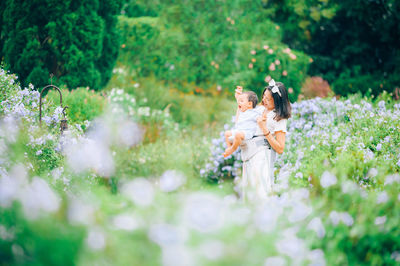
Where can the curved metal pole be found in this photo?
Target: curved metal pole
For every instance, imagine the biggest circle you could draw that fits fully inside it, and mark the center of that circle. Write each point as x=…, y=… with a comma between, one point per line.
x=40, y=100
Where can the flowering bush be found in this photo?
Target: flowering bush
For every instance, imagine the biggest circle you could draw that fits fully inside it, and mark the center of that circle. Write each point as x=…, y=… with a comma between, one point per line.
x=321, y=215
x=154, y=121
x=316, y=87
x=83, y=104
x=349, y=139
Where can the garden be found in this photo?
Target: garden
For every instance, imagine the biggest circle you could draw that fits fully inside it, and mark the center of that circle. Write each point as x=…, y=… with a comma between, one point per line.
x=138, y=176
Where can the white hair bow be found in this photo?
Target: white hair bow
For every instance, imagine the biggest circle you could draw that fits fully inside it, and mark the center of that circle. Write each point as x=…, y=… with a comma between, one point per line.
x=275, y=88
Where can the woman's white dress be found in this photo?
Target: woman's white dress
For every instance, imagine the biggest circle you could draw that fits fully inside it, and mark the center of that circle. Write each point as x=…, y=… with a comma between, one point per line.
x=258, y=160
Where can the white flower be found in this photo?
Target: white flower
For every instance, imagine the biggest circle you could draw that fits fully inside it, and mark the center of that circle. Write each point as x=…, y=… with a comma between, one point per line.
x=316, y=257
x=171, y=180
x=212, y=249
x=382, y=197
x=140, y=191
x=125, y=222
x=299, y=175
x=347, y=219
x=166, y=235
x=372, y=172
x=344, y=217
x=275, y=261
x=390, y=179
x=348, y=187
x=317, y=226
x=96, y=240
x=328, y=179
x=299, y=212
x=380, y=220
x=204, y=212
x=291, y=246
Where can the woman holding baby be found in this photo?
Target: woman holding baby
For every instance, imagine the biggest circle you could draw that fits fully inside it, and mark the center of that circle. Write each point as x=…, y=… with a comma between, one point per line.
x=259, y=153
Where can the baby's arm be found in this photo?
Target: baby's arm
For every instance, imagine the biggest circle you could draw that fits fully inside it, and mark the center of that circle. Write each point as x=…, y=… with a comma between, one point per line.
x=238, y=92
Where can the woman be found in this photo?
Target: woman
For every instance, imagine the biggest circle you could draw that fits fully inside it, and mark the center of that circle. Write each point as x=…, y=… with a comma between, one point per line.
x=259, y=153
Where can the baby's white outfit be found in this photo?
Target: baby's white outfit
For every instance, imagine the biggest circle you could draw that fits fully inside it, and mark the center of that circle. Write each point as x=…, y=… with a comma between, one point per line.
x=246, y=123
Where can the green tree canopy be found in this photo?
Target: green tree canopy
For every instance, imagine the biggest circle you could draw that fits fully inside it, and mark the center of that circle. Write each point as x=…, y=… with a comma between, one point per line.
x=213, y=44
x=77, y=41
x=354, y=43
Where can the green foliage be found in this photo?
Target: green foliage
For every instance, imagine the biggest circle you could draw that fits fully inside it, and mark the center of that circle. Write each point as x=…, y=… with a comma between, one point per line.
x=76, y=41
x=46, y=242
x=270, y=57
x=8, y=85
x=354, y=44
x=52, y=213
x=207, y=44
x=83, y=104
x=193, y=111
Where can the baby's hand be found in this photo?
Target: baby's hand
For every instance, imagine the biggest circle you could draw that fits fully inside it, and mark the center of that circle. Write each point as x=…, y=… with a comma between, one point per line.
x=238, y=91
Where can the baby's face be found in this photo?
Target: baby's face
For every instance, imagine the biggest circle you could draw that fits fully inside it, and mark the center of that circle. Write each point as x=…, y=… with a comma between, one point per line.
x=244, y=103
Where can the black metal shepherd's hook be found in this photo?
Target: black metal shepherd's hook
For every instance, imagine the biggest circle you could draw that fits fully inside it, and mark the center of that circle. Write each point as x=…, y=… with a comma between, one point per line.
x=64, y=125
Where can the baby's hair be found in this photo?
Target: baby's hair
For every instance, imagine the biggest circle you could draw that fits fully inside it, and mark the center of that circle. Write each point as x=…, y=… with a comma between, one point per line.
x=252, y=97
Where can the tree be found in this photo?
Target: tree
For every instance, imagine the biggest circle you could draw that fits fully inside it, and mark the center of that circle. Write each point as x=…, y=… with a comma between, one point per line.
x=354, y=43
x=77, y=41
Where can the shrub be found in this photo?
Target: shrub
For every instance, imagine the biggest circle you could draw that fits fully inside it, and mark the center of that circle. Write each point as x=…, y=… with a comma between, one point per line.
x=83, y=104
x=316, y=87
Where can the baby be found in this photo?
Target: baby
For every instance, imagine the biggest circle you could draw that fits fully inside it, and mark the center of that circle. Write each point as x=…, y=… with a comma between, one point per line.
x=246, y=123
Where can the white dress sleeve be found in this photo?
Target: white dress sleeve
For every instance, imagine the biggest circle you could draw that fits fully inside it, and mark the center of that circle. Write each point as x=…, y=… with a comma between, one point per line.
x=259, y=109
x=281, y=125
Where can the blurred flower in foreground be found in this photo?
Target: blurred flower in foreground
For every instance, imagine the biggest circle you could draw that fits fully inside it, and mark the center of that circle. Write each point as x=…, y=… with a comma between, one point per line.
x=87, y=154
x=139, y=190
x=36, y=196
x=212, y=249
x=336, y=217
x=96, y=240
x=276, y=261
x=204, y=212
x=171, y=180
x=380, y=220
x=125, y=222
x=166, y=235
x=328, y=179
x=129, y=134
x=317, y=226
x=292, y=246
x=80, y=211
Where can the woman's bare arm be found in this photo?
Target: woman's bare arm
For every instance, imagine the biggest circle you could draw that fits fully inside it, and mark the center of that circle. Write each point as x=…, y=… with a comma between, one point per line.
x=277, y=143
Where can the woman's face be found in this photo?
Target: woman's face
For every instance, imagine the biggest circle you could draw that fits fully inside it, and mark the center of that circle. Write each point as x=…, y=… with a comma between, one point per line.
x=268, y=101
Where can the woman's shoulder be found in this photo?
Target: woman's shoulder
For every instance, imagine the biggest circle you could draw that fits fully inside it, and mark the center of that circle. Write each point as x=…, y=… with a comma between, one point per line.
x=272, y=114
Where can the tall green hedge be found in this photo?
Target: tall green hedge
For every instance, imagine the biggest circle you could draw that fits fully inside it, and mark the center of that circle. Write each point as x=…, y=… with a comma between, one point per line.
x=77, y=41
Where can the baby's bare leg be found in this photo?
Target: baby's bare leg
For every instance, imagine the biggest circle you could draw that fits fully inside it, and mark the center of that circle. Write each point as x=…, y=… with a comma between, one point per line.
x=239, y=137
x=228, y=133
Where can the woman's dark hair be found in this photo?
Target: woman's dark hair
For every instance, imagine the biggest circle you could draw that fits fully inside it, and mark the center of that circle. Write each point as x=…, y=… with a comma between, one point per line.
x=283, y=108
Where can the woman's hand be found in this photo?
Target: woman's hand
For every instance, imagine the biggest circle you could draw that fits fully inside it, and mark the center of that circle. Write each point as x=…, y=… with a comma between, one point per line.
x=262, y=120
x=238, y=92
